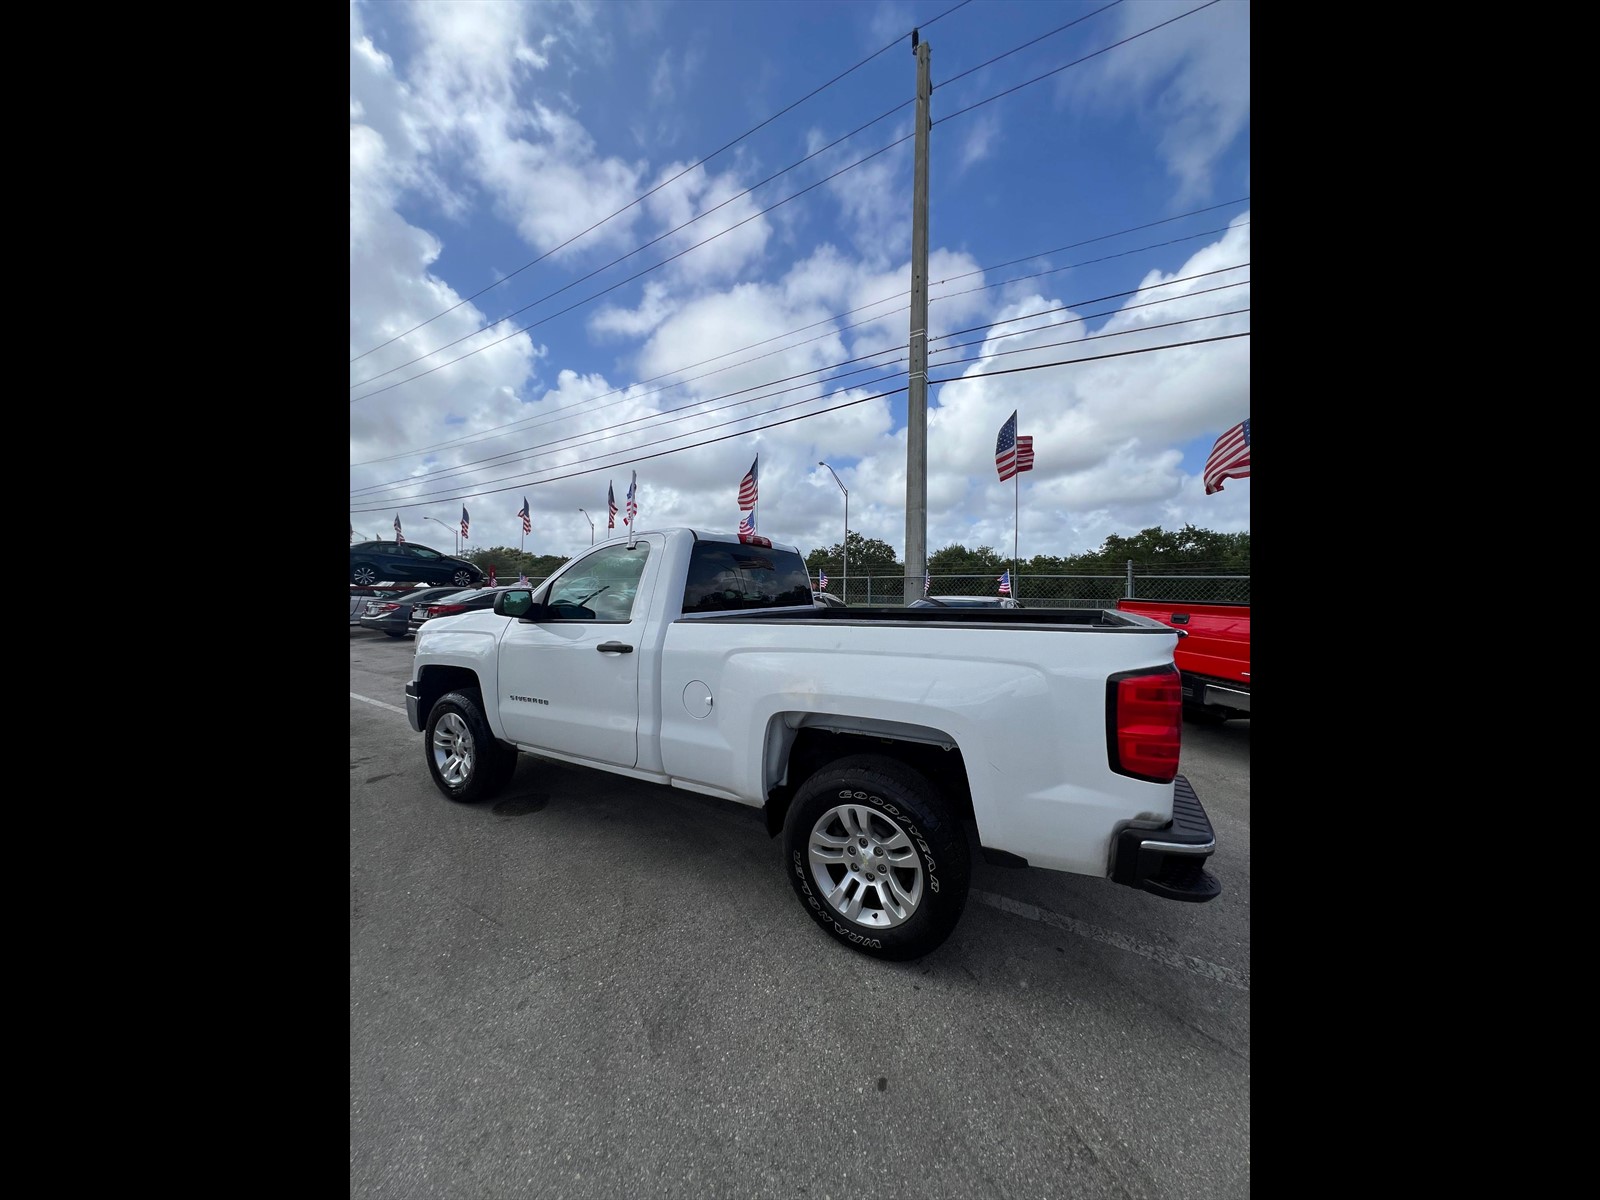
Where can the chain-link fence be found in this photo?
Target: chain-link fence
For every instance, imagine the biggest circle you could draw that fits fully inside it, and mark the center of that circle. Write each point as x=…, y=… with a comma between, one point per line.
x=1049, y=591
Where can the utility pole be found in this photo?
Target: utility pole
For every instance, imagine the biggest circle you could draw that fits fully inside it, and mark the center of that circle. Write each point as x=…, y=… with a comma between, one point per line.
x=917, y=392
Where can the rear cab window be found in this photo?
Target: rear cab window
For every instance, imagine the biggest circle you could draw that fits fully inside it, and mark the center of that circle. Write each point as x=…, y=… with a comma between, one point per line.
x=729, y=577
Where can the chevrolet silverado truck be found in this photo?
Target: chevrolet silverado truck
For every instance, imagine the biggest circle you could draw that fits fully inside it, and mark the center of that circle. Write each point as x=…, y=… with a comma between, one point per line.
x=1212, y=657
x=884, y=745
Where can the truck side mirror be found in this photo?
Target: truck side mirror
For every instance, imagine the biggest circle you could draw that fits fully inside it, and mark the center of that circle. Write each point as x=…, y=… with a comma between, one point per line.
x=518, y=602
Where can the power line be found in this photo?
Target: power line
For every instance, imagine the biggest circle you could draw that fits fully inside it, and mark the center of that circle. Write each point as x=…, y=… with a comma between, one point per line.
x=691, y=432
x=542, y=446
x=549, y=447
x=1025, y=45
x=638, y=199
x=746, y=192
x=538, y=451
x=637, y=274
x=535, y=451
x=636, y=249
x=589, y=406
x=1075, y=62
x=1221, y=337
x=636, y=458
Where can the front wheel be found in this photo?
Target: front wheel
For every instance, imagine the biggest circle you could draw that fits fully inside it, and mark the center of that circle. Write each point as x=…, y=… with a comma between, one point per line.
x=875, y=855
x=363, y=575
x=465, y=759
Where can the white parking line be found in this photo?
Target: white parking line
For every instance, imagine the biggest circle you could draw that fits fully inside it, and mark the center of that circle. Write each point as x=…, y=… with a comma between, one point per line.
x=1184, y=962
x=377, y=703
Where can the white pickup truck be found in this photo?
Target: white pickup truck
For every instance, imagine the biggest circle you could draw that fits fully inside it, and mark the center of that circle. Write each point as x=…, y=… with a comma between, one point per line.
x=884, y=744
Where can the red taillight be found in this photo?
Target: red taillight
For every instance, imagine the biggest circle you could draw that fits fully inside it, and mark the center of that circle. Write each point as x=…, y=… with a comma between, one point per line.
x=444, y=610
x=1144, y=724
x=387, y=607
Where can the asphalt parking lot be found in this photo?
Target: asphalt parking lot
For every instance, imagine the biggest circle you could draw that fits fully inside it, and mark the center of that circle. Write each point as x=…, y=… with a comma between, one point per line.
x=594, y=987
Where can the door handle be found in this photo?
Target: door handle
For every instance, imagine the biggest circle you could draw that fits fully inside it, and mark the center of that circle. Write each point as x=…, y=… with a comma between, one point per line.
x=614, y=648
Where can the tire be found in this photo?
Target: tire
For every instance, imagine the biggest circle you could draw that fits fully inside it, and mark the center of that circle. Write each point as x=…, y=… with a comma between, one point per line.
x=908, y=827
x=392, y=633
x=363, y=574
x=466, y=761
x=463, y=579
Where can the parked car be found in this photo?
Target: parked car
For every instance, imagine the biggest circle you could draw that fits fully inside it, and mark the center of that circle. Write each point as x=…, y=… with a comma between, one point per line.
x=469, y=600
x=829, y=600
x=392, y=614
x=964, y=602
x=360, y=597
x=372, y=561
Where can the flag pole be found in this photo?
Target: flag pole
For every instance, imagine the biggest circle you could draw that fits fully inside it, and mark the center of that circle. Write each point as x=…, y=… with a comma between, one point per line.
x=1015, y=497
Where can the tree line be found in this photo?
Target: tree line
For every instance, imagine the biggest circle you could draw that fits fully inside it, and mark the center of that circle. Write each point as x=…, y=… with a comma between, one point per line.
x=1186, y=550
x=1192, y=550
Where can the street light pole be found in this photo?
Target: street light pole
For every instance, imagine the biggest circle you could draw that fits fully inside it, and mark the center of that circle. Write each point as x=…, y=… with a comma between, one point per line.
x=844, y=582
x=589, y=519
x=455, y=534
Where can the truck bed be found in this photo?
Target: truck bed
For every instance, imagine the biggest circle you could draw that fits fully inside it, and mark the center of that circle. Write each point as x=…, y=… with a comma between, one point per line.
x=988, y=618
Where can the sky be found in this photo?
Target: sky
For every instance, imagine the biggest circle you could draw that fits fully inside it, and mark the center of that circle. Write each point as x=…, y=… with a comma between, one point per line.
x=537, y=313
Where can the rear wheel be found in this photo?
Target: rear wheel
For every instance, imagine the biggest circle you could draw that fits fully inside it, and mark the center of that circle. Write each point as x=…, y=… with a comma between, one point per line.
x=462, y=578
x=465, y=759
x=363, y=574
x=875, y=855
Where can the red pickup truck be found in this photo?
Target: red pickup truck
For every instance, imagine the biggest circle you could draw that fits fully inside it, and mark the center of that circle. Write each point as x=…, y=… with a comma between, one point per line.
x=1213, y=654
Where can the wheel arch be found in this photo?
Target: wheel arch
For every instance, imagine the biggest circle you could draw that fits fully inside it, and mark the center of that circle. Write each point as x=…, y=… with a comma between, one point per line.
x=441, y=679
x=798, y=745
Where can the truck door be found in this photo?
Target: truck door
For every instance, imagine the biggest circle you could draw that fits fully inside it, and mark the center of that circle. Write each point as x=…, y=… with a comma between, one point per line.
x=571, y=683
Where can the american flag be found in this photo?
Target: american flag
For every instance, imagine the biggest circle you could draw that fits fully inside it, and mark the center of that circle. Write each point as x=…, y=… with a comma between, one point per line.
x=747, y=486
x=927, y=581
x=463, y=522
x=747, y=526
x=1005, y=583
x=633, y=507
x=822, y=581
x=398, y=536
x=1230, y=457
x=1012, y=455
x=527, y=522
x=611, y=503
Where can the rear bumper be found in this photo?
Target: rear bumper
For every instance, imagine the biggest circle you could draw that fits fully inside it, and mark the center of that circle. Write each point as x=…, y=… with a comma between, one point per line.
x=1170, y=861
x=413, y=713
x=1205, y=692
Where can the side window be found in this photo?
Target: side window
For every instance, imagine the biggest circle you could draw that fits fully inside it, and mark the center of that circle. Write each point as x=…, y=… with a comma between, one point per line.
x=724, y=577
x=601, y=587
x=424, y=553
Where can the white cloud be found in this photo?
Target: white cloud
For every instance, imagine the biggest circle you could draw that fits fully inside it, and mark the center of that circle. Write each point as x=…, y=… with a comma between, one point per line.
x=474, y=117
x=979, y=140
x=1191, y=77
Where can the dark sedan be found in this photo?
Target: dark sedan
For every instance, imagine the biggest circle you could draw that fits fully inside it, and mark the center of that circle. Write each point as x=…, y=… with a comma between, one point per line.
x=392, y=614
x=457, y=602
x=372, y=561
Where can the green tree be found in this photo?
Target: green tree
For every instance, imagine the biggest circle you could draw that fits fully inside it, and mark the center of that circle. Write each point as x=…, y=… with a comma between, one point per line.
x=956, y=559
x=508, y=563
x=868, y=556
x=1189, y=548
